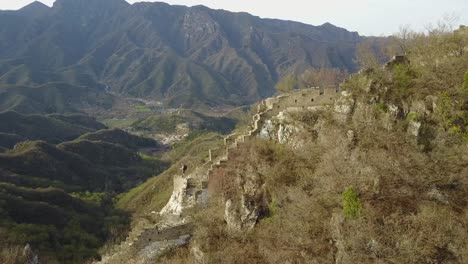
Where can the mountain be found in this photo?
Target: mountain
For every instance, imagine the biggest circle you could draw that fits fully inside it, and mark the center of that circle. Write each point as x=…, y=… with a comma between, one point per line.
x=60, y=227
x=186, y=121
x=75, y=166
x=58, y=176
x=51, y=128
x=190, y=56
x=34, y=9
x=117, y=136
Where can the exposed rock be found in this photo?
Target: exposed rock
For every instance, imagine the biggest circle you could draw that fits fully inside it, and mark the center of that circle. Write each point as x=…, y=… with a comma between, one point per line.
x=420, y=107
x=176, y=202
x=281, y=116
x=437, y=195
x=243, y=217
x=336, y=224
x=249, y=213
x=414, y=127
x=376, y=185
x=395, y=111
x=344, y=104
x=30, y=256
x=244, y=214
x=158, y=248
x=268, y=130
x=431, y=103
x=285, y=132
x=198, y=254
x=374, y=100
x=231, y=215
x=350, y=135
x=373, y=246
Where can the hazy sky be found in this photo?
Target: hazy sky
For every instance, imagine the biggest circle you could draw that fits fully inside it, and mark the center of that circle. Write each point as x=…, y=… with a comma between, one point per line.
x=368, y=17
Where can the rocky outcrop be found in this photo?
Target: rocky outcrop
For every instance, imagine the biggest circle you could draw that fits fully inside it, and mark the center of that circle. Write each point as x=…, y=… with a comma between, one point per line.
x=243, y=211
x=188, y=190
x=243, y=218
x=268, y=130
x=285, y=132
x=336, y=226
x=344, y=104
x=414, y=127
x=29, y=255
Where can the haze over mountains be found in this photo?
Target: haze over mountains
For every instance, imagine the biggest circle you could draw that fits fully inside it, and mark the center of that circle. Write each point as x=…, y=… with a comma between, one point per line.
x=174, y=54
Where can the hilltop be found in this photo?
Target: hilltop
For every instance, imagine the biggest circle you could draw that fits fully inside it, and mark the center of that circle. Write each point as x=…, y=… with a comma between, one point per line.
x=51, y=128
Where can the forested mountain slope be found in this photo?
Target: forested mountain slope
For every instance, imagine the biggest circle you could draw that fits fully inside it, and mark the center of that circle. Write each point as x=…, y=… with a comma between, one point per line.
x=179, y=55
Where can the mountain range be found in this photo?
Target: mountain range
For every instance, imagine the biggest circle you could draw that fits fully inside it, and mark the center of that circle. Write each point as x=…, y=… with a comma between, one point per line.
x=77, y=50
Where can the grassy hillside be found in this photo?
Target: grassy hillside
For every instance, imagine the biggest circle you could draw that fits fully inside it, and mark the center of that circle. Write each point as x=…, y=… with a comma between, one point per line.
x=121, y=137
x=52, y=128
x=61, y=228
x=8, y=141
x=58, y=195
x=52, y=97
x=191, y=120
x=79, y=165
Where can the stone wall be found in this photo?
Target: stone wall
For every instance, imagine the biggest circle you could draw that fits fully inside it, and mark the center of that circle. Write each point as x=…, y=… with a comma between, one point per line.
x=191, y=189
x=301, y=99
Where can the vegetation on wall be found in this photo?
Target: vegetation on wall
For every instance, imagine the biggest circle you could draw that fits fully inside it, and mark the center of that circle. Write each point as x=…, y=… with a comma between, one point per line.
x=288, y=83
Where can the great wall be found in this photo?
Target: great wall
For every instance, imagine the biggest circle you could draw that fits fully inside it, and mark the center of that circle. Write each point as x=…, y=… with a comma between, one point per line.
x=192, y=188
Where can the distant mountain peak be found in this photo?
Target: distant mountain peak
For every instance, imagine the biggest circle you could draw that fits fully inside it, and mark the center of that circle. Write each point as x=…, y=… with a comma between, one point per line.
x=328, y=25
x=33, y=9
x=35, y=5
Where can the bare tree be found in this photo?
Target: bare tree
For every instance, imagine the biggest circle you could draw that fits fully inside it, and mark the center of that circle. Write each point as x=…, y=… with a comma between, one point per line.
x=288, y=83
x=366, y=55
x=403, y=38
x=322, y=77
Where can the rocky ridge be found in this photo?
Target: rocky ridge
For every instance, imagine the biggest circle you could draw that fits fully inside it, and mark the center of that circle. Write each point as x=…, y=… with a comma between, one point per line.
x=191, y=189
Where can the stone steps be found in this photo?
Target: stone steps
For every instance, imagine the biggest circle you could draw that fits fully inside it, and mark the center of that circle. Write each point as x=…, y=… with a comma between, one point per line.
x=151, y=235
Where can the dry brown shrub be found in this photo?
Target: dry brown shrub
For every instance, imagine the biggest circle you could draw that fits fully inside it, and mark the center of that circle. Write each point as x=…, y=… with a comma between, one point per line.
x=180, y=255
x=12, y=255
